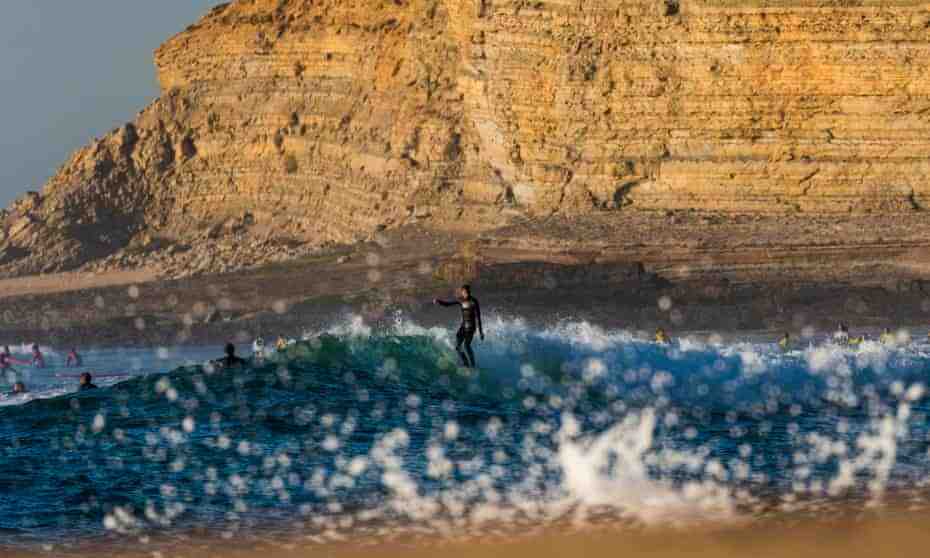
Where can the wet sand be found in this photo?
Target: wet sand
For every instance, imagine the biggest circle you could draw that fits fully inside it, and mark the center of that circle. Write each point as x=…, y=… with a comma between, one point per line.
x=901, y=534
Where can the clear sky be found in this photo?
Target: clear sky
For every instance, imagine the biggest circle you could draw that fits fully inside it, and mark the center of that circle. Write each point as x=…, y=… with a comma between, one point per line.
x=72, y=70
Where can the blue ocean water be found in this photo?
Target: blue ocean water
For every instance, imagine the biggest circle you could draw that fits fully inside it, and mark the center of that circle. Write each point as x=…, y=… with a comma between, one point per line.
x=361, y=429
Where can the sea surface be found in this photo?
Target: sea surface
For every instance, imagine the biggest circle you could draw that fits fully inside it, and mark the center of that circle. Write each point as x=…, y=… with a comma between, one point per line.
x=359, y=430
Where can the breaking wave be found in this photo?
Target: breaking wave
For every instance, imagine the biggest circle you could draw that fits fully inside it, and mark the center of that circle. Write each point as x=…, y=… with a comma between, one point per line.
x=377, y=430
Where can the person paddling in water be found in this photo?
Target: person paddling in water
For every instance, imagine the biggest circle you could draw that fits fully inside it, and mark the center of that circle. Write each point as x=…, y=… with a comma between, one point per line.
x=86, y=382
x=230, y=360
x=471, y=322
x=74, y=359
x=7, y=360
x=662, y=338
x=38, y=359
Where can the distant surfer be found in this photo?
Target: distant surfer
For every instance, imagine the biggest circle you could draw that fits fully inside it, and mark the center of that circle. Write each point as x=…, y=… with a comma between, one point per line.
x=258, y=348
x=662, y=338
x=886, y=338
x=471, y=322
x=7, y=360
x=785, y=342
x=74, y=359
x=19, y=388
x=230, y=360
x=38, y=360
x=87, y=382
x=841, y=336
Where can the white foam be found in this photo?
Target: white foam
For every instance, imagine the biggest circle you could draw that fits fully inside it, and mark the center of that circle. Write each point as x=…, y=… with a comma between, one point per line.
x=609, y=470
x=615, y=468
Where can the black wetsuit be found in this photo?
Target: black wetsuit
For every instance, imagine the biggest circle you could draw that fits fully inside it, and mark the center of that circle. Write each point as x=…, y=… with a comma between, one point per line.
x=471, y=322
x=85, y=387
x=229, y=361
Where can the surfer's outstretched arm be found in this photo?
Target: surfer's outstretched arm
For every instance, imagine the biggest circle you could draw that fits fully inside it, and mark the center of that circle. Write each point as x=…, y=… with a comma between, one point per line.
x=440, y=302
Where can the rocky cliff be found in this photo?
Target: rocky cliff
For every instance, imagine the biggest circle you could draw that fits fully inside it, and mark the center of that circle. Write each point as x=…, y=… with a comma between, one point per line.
x=325, y=120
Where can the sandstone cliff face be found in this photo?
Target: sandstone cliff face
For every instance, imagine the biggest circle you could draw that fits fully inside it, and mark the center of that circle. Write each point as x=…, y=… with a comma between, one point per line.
x=325, y=120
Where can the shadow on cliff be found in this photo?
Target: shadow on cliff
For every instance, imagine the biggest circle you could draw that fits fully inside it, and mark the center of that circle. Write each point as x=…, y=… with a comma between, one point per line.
x=92, y=209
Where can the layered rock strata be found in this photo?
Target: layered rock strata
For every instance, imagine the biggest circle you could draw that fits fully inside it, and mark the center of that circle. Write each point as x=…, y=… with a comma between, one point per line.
x=326, y=120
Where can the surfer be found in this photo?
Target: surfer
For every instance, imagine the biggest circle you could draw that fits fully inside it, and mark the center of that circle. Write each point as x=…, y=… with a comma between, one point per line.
x=7, y=361
x=785, y=342
x=86, y=382
x=886, y=337
x=471, y=322
x=38, y=360
x=841, y=336
x=662, y=338
x=258, y=348
x=19, y=388
x=230, y=360
x=74, y=359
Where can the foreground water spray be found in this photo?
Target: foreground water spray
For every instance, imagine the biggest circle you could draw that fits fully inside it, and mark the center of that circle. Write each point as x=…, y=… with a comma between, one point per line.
x=360, y=430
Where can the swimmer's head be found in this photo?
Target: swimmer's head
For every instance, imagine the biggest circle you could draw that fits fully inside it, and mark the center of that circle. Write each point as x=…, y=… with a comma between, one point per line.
x=86, y=378
x=19, y=387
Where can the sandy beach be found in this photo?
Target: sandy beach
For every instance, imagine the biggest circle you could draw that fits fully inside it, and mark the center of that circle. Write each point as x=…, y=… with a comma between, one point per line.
x=897, y=534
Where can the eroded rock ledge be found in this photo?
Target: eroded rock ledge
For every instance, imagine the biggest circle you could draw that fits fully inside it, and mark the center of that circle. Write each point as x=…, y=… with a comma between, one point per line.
x=322, y=121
